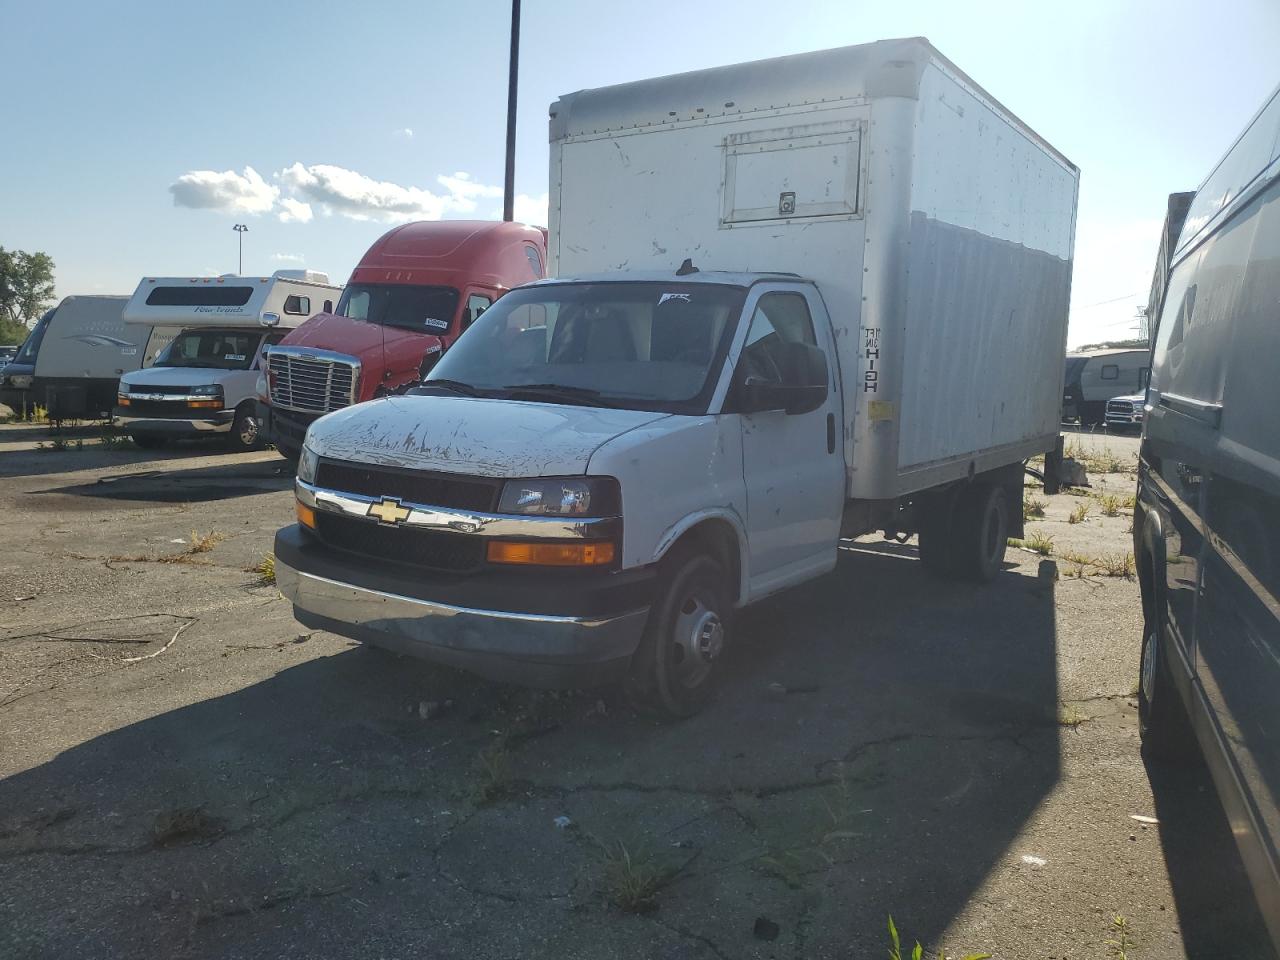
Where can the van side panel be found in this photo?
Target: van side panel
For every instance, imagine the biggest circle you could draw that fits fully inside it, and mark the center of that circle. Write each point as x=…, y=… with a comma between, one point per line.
x=988, y=283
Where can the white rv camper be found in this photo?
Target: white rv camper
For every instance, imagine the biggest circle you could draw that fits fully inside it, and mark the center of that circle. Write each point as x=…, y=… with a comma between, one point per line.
x=203, y=383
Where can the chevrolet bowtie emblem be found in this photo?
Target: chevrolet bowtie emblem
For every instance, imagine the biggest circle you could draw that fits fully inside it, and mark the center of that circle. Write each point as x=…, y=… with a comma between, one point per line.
x=389, y=510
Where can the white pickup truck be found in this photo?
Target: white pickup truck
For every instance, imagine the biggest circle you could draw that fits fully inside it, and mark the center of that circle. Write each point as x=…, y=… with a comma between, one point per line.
x=865, y=332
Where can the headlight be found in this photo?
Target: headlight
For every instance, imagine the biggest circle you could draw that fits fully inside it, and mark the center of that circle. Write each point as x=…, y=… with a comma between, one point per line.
x=260, y=388
x=20, y=381
x=307, y=464
x=207, y=390
x=568, y=497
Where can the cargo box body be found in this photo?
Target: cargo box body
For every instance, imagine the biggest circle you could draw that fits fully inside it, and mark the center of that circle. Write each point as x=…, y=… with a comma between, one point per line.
x=938, y=227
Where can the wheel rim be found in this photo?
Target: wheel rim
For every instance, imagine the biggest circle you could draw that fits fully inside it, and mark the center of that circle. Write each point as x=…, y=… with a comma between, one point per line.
x=249, y=431
x=697, y=641
x=1148, y=679
x=991, y=535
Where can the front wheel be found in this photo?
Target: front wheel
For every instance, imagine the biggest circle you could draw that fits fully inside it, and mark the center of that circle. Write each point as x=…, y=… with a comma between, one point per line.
x=245, y=432
x=674, y=672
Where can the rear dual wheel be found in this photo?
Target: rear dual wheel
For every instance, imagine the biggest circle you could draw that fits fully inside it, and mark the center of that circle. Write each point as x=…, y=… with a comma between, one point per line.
x=963, y=535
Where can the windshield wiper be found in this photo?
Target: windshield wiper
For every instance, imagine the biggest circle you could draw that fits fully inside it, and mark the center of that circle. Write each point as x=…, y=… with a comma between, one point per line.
x=557, y=392
x=457, y=386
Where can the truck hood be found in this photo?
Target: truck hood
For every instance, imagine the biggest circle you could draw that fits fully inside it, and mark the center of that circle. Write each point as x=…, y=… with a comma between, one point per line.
x=491, y=438
x=177, y=376
x=358, y=339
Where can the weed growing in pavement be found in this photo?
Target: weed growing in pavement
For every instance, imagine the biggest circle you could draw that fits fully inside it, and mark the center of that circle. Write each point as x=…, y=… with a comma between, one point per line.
x=790, y=858
x=632, y=880
x=1116, y=565
x=266, y=568
x=1079, y=512
x=491, y=774
x=1110, y=506
x=38, y=414
x=1105, y=460
x=1069, y=716
x=1032, y=508
x=203, y=543
x=115, y=441
x=917, y=952
x=1039, y=543
x=1120, y=942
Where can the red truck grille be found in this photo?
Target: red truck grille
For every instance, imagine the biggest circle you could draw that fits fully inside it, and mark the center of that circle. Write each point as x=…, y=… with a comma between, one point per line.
x=310, y=384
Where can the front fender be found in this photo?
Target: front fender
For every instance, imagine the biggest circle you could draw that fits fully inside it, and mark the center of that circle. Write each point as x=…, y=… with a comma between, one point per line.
x=726, y=514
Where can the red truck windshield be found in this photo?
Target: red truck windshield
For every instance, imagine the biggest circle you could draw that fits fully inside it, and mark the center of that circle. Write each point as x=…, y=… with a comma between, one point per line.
x=427, y=309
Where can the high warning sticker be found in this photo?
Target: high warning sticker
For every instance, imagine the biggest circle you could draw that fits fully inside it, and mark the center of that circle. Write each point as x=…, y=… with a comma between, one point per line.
x=871, y=351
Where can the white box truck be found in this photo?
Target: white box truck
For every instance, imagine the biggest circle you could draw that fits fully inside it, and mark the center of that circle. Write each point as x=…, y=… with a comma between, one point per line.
x=205, y=383
x=796, y=301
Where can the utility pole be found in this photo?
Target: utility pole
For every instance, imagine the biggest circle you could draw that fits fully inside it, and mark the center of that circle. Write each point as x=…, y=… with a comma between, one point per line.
x=241, y=229
x=509, y=189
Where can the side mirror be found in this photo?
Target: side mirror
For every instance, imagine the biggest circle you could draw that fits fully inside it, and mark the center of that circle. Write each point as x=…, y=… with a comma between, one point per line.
x=803, y=388
x=270, y=320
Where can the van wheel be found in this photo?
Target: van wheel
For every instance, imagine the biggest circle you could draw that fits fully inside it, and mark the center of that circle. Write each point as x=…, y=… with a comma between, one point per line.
x=675, y=669
x=245, y=433
x=145, y=442
x=1162, y=718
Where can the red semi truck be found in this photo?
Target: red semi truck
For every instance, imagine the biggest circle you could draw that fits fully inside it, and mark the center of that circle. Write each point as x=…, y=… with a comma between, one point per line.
x=412, y=294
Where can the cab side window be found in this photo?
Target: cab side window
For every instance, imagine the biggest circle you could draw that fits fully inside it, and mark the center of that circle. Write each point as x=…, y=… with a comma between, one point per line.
x=476, y=305
x=297, y=306
x=780, y=321
x=535, y=261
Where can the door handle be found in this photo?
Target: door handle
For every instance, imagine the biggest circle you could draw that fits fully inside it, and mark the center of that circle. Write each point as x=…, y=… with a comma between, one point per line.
x=831, y=433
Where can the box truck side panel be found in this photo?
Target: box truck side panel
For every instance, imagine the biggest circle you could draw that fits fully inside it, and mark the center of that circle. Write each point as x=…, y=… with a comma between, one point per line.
x=987, y=288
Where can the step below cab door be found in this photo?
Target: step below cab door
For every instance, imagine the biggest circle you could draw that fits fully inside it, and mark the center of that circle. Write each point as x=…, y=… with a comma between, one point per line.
x=785, y=392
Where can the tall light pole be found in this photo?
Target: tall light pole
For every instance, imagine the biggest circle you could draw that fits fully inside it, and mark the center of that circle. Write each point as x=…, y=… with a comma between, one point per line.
x=241, y=229
x=509, y=189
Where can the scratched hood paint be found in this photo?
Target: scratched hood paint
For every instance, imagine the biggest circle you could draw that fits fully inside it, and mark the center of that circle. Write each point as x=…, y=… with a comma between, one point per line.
x=491, y=438
x=176, y=377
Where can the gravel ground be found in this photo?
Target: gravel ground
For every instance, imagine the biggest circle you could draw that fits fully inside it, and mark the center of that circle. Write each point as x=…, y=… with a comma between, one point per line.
x=187, y=772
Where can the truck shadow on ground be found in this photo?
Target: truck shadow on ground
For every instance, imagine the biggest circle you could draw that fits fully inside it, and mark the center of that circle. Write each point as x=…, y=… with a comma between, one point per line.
x=1216, y=908
x=879, y=742
x=220, y=482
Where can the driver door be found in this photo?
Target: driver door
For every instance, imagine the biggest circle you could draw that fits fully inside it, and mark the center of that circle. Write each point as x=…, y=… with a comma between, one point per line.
x=792, y=463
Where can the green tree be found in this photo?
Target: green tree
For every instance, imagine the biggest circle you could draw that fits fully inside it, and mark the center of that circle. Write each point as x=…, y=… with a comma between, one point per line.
x=26, y=291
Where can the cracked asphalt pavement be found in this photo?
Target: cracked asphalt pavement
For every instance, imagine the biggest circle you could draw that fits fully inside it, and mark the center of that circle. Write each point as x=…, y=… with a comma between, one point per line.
x=187, y=772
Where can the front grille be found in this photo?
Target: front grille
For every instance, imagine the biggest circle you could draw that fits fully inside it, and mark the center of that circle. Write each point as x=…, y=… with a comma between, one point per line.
x=1121, y=406
x=317, y=385
x=177, y=391
x=430, y=489
x=454, y=552
x=171, y=409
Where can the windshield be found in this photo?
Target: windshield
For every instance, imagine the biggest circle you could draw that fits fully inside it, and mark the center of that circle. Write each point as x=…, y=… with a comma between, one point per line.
x=646, y=346
x=31, y=346
x=218, y=349
x=428, y=309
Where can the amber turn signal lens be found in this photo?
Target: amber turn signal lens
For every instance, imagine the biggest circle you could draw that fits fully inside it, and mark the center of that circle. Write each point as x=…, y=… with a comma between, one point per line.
x=205, y=404
x=306, y=516
x=551, y=554
x=122, y=400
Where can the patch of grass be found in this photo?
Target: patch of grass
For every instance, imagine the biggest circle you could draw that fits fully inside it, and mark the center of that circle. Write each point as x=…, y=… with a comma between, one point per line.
x=917, y=952
x=115, y=441
x=491, y=774
x=266, y=568
x=39, y=414
x=633, y=880
x=1069, y=716
x=1079, y=512
x=1116, y=565
x=1110, y=506
x=1040, y=543
x=1032, y=508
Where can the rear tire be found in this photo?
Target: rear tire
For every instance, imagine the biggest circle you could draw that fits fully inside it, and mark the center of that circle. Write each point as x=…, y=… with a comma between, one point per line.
x=981, y=526
x=246, y=433
x=676, y=668
x=1162, y=717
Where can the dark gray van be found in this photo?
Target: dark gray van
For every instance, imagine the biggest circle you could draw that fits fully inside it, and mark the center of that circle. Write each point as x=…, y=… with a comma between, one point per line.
x=1207, y=525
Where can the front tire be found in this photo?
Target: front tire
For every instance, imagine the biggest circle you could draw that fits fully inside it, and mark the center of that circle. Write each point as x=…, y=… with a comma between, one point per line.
x=246, y=433
x=676, y=668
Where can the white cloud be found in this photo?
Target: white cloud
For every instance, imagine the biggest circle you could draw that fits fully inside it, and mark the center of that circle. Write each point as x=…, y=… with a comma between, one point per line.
x=288, y=258
x=334, y=189
x=403, y=133
x=531, y=210
x=294, y=211
x=227, y=191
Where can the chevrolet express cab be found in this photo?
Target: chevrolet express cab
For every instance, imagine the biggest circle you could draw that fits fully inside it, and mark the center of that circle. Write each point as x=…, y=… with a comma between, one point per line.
x=411, y=296
x=203, y=384
x=771, y=328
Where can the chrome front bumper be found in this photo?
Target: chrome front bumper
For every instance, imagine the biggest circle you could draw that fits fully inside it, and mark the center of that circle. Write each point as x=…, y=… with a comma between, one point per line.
x=530, y=649
x=175, y=426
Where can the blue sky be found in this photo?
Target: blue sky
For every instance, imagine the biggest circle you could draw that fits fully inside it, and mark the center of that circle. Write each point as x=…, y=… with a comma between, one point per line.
x=360, y=109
